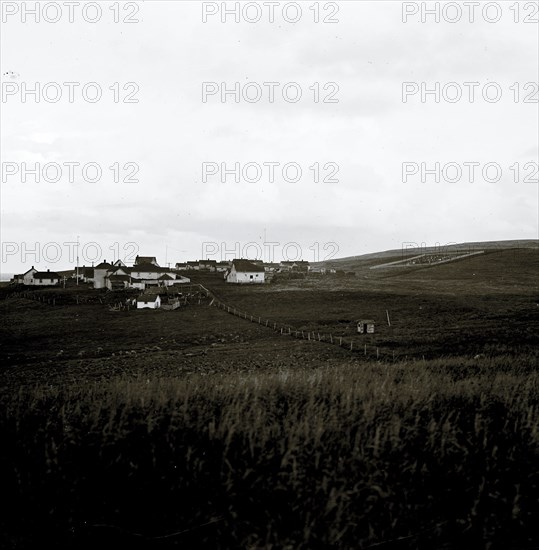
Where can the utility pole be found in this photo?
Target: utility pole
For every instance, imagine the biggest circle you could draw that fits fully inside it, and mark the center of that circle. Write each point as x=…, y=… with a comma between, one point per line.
x=77, y=268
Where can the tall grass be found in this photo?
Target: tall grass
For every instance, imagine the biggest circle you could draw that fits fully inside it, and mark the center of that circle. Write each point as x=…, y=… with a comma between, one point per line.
x=433, y=454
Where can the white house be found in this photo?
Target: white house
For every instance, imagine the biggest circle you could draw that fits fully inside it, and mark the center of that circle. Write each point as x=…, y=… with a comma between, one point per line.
x=46, y=278
x=244, y=271
x=25, y=278
x=33, y=277
x=151, y=301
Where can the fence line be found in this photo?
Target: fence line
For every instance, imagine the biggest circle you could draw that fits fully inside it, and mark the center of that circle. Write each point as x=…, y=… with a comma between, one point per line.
x=285, y=329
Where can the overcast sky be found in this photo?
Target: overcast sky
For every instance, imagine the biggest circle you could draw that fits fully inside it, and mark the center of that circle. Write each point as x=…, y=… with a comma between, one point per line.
x=368, y=134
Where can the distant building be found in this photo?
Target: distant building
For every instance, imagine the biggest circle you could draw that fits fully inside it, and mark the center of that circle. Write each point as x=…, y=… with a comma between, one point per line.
x=245, y=271
x=222, y=266
x=141, y=260
x=193, y=265
x=46, y=278
x=151, y=301
x=271, y=267
x=100, y=272
x=299, y=266
x=207, y=265
x=33, y=277
x=365, y=326
x=86, y=274
x=25, y=278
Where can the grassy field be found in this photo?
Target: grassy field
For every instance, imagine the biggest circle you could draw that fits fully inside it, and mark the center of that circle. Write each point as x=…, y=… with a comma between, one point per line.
x=198, y=429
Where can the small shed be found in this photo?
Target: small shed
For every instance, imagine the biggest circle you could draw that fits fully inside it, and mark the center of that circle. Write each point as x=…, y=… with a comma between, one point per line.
x=365, y=326
x=152, y=301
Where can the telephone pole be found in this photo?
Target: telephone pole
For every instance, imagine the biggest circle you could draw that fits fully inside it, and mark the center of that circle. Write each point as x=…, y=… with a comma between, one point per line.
x=77, y=268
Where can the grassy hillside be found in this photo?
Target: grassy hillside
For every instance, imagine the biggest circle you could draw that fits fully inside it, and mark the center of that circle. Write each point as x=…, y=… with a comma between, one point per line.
x=195, y=428
x=366, y=261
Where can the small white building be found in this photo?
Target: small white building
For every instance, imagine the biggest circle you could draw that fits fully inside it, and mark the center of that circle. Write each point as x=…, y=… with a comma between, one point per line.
x=150, y=301
x=245, y=272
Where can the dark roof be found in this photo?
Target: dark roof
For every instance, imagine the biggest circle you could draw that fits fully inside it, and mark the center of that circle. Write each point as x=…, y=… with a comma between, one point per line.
x=165, y=277
x=103, y=265
x=46, y=275
x=145, y=260
x=192, y=263
x=86, y=271
x=117, y=268
x=147, y=298
x=208, y=262
x=148, y=268
x=118, y=278
x=246, y=266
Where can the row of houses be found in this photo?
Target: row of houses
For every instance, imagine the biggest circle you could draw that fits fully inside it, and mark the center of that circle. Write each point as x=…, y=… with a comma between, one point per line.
x=215, y=266
x=146, y=272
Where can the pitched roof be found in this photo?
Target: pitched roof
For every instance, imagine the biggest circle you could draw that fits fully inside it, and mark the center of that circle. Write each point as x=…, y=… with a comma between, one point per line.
x=46, y=275
x=148, y=268
x=145, y=260
x=118, y=278
x=165, y=277
x=103, y=265
x=246, y=266
x=117, y=268
x=148, y=298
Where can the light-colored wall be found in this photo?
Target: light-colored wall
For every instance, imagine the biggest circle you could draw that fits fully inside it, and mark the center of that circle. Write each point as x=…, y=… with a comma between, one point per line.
x=245, y=277
x=151, y=305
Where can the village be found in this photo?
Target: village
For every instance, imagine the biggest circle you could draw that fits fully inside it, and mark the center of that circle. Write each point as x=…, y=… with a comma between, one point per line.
x=160, y=286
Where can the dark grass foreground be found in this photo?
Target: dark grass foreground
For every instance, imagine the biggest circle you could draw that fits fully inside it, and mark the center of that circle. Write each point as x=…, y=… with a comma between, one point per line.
x=426, y=455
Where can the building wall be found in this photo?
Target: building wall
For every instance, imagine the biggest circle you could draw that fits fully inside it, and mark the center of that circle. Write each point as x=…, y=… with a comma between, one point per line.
x=150, y=305
x=99, y=277
x=28, y=278
x=245, y=277
x=45, y=282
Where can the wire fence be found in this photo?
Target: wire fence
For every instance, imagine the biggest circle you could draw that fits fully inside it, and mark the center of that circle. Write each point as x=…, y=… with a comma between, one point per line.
x=288, y=330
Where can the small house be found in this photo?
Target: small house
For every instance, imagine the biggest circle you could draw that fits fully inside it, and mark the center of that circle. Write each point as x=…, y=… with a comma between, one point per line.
x=245, y=271
x=207, y=265
x=46, y=278
x=149, y=301
x=365, y=326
